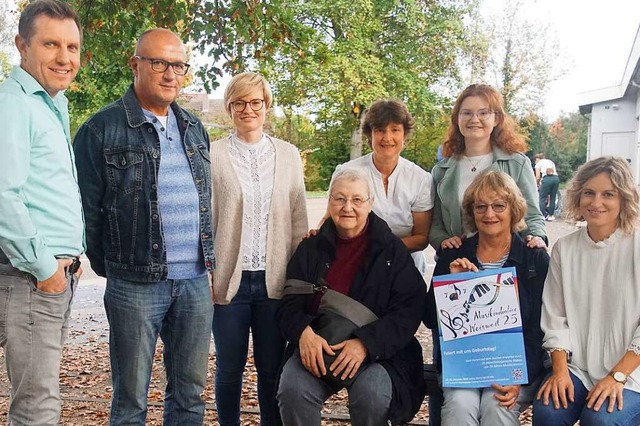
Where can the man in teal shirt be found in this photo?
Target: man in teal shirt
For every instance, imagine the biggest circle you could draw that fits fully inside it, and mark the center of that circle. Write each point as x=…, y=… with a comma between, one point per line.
x=41, y=223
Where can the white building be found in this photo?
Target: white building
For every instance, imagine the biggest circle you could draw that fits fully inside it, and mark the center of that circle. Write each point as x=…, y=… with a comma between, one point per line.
x=613, y=113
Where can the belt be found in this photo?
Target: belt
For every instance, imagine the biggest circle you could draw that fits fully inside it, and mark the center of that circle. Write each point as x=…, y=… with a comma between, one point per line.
x=73, y=268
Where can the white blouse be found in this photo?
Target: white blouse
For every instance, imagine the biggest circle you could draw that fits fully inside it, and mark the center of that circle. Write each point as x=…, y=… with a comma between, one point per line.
x=254, y=165
x=591, y=303
x=410, y=189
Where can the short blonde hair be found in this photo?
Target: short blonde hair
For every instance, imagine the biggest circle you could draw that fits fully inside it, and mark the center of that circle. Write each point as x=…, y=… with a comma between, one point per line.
x=505, y=187
x=244, y=83
x=621, y=177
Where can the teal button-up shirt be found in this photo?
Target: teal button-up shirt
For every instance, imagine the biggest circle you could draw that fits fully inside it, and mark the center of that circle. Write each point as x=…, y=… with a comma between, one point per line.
x=40, y=208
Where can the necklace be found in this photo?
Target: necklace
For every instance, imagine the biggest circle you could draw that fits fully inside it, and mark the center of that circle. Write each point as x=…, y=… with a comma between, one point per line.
x=497, y=257
x=474, y=166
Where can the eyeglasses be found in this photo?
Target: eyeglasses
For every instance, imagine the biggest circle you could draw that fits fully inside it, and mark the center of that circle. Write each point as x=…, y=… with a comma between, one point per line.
x=496, y=207
x=342, y=201
x=255, y=104
x=483, y=114
x=160, y=65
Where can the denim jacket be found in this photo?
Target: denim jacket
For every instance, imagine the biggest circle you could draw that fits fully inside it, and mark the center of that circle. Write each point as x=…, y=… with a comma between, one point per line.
x=118, y=158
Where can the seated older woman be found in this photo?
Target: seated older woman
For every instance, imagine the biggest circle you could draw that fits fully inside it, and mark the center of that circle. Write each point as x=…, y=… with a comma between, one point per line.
x=356, y=253
x=494, y=207
x=591, y=310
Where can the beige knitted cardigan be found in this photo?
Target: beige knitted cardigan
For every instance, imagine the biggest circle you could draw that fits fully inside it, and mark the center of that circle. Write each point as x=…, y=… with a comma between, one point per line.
x=286, y=226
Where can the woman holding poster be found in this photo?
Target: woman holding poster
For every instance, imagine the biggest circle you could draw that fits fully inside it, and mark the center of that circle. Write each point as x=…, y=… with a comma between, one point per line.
x=591, y=314
x=494, y=207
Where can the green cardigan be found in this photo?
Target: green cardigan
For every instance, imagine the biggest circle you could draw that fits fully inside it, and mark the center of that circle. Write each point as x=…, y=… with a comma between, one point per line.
x=447, y=214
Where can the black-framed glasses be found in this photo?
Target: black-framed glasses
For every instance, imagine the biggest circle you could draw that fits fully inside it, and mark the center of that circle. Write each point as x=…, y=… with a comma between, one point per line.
x=160, y=65
x=342, y=201
x=483, y=114
x=496, y=207
x=254, y=104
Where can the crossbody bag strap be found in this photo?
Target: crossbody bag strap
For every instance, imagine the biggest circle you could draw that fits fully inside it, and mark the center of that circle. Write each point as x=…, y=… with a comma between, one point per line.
x=295, y=286
x=343, y=305
x=332, y=301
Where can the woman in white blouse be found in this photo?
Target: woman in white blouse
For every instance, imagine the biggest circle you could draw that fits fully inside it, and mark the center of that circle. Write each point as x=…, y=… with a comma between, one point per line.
x=402, y=190
x=259, y=216
x=591, y=305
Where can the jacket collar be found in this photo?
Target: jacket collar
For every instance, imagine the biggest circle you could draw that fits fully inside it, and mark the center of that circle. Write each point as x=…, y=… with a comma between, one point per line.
x=135, y=116
x=378, y=231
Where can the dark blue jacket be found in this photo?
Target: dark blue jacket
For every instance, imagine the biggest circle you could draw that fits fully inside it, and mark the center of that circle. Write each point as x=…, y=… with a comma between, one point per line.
x=531, y=268
x=118, y=157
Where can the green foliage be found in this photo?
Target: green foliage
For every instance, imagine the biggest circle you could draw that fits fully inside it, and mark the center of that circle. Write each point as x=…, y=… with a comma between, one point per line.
x=7, y=32
x=111, y=28
x=320, y=57
x=564, y=141
x=516, y=54
x=5, y=66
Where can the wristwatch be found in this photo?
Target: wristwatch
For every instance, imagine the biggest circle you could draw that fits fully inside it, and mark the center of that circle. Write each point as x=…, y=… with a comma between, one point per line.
x=618, y=376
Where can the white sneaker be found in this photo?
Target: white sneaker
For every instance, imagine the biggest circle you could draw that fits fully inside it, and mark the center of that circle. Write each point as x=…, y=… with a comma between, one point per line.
x=550, y=218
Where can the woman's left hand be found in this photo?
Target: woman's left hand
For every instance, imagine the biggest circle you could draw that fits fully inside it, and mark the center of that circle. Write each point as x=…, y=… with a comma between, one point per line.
x=352, y=353
x=508, y=395
x=606, y=388
x=535, y=242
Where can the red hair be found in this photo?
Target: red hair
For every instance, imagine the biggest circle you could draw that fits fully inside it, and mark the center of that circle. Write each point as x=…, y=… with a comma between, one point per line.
x=504, y=134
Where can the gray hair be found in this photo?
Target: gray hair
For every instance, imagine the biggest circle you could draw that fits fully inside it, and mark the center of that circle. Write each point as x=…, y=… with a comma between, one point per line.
x=351, y=174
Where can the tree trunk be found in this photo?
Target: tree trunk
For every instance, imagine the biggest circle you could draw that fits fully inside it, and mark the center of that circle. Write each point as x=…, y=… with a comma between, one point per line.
x=356, y=144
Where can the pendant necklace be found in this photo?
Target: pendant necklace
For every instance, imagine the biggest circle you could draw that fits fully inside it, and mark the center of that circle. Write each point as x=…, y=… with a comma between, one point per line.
x=474, y=166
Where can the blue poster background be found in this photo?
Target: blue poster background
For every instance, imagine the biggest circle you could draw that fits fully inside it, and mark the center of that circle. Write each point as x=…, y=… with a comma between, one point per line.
x=481, y=360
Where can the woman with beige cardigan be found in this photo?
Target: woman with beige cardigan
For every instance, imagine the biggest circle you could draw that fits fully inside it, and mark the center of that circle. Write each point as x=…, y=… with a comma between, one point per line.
x=259, y=217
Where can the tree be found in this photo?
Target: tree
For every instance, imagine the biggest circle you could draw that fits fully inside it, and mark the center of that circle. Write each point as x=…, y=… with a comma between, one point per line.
x=320, y=56
x=7, y=32
x=517, y=55
x=363, y=50
x=564, y=141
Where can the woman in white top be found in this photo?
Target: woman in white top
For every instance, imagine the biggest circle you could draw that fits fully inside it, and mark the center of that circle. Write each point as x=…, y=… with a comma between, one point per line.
x=591, y=305
x=259, y=217
x=402, y=190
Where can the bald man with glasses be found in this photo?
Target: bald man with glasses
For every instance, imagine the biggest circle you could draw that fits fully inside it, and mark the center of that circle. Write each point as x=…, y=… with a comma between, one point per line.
x=144, y=173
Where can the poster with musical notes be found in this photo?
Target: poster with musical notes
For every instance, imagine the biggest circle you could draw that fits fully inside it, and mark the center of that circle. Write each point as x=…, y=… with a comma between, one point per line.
x=480, y=328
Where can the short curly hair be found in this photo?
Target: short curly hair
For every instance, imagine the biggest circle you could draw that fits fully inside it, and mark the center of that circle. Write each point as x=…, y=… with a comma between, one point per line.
x=504, y=135
x=621, y=177
x=385, y=111
x=500, y=183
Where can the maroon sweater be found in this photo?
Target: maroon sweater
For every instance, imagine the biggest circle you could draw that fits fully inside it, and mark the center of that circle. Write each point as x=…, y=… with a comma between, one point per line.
x=349, y=257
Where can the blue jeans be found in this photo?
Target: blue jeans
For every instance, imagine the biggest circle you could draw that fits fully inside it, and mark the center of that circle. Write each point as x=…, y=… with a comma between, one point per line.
x=33, y=327
x=249, y=309
x=547, y=415
x=180, y=312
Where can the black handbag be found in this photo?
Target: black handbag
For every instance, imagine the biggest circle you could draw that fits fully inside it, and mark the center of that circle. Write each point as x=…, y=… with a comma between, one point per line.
x=338, y=317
